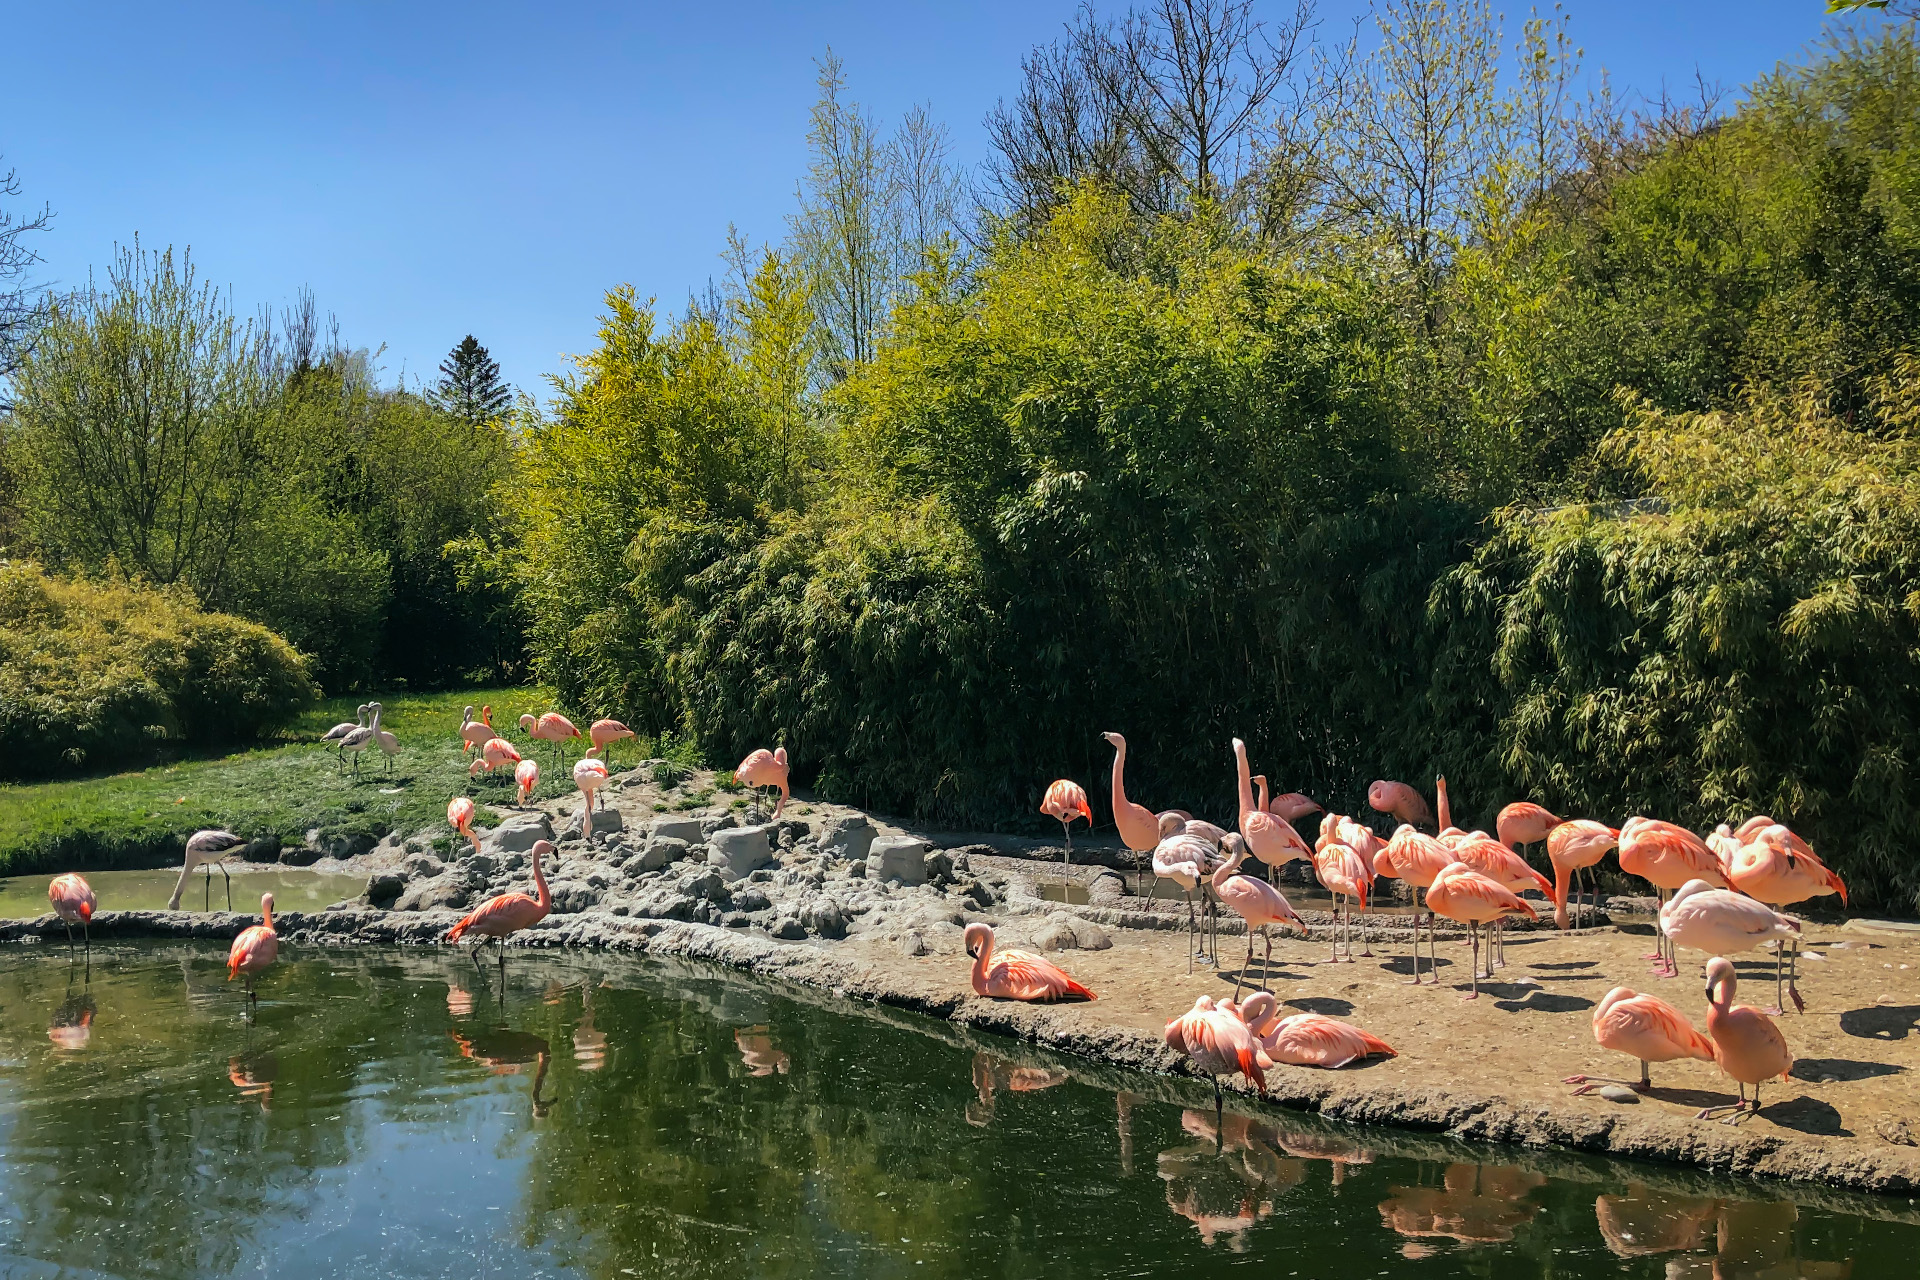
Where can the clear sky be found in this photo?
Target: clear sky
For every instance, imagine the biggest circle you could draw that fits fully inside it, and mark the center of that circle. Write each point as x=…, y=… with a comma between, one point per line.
x=437, y=169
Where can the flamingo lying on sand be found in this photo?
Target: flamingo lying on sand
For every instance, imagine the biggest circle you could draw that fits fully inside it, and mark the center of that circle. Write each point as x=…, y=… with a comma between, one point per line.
x=1016, y=975
x=256, y=948
x=208, y=849
x=1306, y=1039
x=1571, y=847
x=1643, y=1027
x=1463, y=894
x=764, y=768
x=1258, y=903
x=505, y=914
x=1218, y=1042
x=1139, y=826
x=460, y=818
x=1780, y=869
x=1067, y=800
x=1745, y=1042
x=73, y=901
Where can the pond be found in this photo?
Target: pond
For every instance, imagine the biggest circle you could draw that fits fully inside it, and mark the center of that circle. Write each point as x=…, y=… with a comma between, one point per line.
x=393, y=1113
x=24, y=897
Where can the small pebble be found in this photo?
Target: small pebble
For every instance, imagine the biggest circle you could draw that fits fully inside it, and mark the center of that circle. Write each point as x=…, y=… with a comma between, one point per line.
x=1618, y=1093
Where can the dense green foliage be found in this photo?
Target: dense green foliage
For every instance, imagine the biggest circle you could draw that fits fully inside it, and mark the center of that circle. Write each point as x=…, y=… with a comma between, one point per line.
x=101, y=674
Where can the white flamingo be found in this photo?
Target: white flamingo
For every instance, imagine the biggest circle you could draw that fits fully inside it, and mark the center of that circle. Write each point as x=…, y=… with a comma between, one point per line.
x=208, y=849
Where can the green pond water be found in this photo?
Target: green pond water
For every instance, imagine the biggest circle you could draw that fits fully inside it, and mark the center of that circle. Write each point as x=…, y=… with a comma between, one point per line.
x=23, y=897
x=391, y=1113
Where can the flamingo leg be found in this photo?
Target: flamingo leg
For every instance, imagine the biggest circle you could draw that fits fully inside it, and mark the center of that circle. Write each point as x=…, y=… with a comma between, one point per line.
x=1193, y=928
x=1366, y=943
x=229, y=879
x=69, y=929
x=1793, y=978
x=1266, y=964
x=1473, y=940
x=1241, y=977
x=206, y=892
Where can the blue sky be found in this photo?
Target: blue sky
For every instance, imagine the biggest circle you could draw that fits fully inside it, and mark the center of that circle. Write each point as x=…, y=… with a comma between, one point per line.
x=436, y=169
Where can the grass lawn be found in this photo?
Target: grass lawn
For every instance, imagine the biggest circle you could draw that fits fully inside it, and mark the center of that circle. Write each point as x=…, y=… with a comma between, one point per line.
x=283, y=789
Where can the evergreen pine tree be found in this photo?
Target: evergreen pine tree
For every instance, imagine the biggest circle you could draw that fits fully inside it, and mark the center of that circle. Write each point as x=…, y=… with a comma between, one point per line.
x=470, y=384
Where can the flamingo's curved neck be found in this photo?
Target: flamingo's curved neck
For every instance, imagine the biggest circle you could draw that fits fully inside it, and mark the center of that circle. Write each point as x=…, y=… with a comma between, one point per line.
x=375, y=726
x=266, y=911
x=1263, y=792
x=1227, y=869
x=1246, y=782
x=1446, y=815
x=980, y=961
x=540, y=884
x=1119, y=769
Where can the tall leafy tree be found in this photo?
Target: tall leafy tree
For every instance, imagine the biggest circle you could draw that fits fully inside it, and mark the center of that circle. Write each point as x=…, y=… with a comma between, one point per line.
x=20, y=311
x=470, y=385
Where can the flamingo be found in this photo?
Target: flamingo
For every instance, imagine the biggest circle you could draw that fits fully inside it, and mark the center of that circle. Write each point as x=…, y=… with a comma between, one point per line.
x=1745, y=1042
x=1139, y=826
x=589, y=774
x=209, y=849
x=526, y=776
x=1402, y=801
x=551, y=727
x=1343, y=873
x=475, y=733
x=346, y=727
x=1218, y=1042
x=1366, y=842
x=1779, y=869
x=1183, y=857
x=1443, y=817
x=1416, y=858
x=497, y=752
x=1720, y=922
x=73, y=901
x=388, y=744
x=506, y=913
x=1258, y=903
x=1522, y=823
x=256, y=948
x=1666, y=856
x=1472, y=898
x=1067, y=800
x=363, y=737
x=764, y=768
x=1292, y=806
x=604, y=733
x=1492, y=858
x=1016, y=975
x=460, y=818
x=1270, y=837
x=1306, y=1039
x=1572, y=846
x=1643, y=1027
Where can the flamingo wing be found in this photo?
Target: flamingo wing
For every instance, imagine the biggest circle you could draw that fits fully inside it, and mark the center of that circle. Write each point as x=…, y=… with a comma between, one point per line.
x=1026, y=976
x=498, y=916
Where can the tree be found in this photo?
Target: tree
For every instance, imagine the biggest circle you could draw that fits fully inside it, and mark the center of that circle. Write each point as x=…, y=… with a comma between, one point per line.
x=20, y=311
x=470, y=385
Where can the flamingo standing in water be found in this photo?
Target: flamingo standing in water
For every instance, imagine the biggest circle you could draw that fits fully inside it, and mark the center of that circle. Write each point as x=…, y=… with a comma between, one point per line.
x=1067, y=800
x=1779, y=868
x=208, y=849
x=73, y=901
x=1400, y=800
x=1183, y=858
x=551, y=727
x=474, y=734
x=604, y=733
x=460, y=818
x=589, y=774
x=1218, y=1042
x=1572, y=847
x=505, y=914
x=256, y=948
x=1016, y=975
x=1139, y=826
x=764, y=768
x=1745, y=1042
x=1666, y=856
x=526, y=776
x=1417, y=858
x=1258, y=903
x=1472, y=898
x=1270, y=837
x=1643, y=1027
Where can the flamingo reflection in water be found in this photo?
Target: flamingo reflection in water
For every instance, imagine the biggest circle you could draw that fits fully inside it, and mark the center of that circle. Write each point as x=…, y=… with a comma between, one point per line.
x=1751, y=1240
x=72, y=1024
x=1476, y=1204
x=991, y=1075
x=253, y=1074
x=506, y=1052
x=1225, y=1181
x=759, y=1054
x=589, y=1042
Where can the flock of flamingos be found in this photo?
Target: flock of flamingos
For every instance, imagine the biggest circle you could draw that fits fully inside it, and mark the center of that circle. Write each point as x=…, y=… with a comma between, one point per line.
x=1719, y=896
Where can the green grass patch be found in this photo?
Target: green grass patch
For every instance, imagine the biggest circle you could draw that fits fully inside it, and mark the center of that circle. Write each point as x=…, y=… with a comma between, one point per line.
x=143, y=818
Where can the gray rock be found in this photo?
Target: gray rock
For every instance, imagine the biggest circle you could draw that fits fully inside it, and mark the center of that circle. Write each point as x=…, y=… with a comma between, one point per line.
x=1618, y=1093
x=1055, y=935
x=740, y=850
x=299, y=855
x=347, y=844
x=980, y=896
x=660, y=851
x=850, y=838
x=517, y=832
x=687, y=829
x=708, y=885
x=423, y=866
x=788, y=929
x=939, y=867
x=719, y=822
x=734, y=920
x=912, y=944
x=666, y=903
x=822, y=915
x=573, y=896
x=902, y=858
x=262, y=849
x=481, y=863
x=1065, y=932
x=448, y=890
x=385, y=888
x=752, y=898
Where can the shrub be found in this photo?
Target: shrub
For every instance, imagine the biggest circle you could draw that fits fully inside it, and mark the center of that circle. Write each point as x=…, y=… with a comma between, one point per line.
x=99, y=674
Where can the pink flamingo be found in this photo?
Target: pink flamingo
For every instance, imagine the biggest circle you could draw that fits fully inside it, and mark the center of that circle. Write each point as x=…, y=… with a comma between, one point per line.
x=589, y=774
x=1416, y=858
x=1016, y=975
x=1402, y=801
x=1258, y=903
x=764, y=768
x=73, y=901
x=1183, y=858
x=1443, y=818
x=526, y=776
x=1270, y=837
x=1719, y=922
x=1343, y=873
x=1216, y=1041
x=1492, y=858
x=1462, y=894
x=604, y=733
x=1779, y=869
x=1643, y=1027
x=256, y=948
x=475, y=733
x=1747, y=1045
x=460, y=818
x=1522, y=823
x=1292, y=806
x=1306, y=1039
x=1666, y=856
x=1067, y=800
x=507, y=913
x=497, y=753
x=1572, y=846
x=551, y=727
x=1139, y=826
